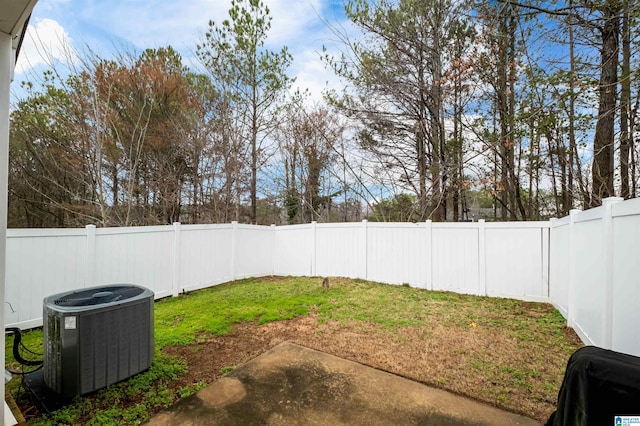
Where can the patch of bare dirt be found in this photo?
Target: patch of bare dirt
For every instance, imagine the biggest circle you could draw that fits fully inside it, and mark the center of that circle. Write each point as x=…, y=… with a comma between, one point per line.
x=470, y=361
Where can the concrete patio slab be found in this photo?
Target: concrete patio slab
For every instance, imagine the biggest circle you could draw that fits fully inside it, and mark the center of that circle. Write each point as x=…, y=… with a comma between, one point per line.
x=294, y=385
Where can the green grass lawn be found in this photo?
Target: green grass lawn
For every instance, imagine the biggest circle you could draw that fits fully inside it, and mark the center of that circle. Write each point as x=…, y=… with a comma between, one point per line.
x=194, y=316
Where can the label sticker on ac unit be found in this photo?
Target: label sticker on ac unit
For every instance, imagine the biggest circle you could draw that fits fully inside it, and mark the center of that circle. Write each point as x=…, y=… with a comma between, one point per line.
x=69, y=323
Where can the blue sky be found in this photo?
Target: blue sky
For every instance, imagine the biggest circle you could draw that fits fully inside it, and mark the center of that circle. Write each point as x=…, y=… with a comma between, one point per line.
x=110, y=26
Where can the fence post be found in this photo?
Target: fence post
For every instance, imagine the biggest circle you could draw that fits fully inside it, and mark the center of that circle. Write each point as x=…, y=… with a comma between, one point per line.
x=273, y=248
x=234, y=231
x=313, y=248
x=428, y=283
x=482, y=258
x=607, y=223
x=176, y=284
x=546, y=259
x=90, y=262
x=571, y=304
x=364, y=248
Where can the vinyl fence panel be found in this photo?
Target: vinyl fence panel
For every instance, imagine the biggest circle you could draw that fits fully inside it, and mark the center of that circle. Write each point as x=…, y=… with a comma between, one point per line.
x=455, y=257
x=341, y=250
x=138, y=255
x=253, y=251
x=559, y=271
x=41, y=263
x=294, y=249
x=516, y=260
x=396, y=253
x=205, y=256
x=588, y=293
x=626, y=277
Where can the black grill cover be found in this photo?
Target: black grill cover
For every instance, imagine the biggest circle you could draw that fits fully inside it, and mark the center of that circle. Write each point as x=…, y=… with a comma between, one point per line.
x=598, y=385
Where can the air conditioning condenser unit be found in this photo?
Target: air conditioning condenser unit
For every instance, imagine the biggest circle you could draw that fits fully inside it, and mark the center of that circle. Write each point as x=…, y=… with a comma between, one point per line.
x=96, y=336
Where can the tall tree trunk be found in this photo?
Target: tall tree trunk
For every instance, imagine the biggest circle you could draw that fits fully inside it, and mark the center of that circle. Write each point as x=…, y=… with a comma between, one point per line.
x=439, y=181
x=195, y=180
x=421, y=143
x=116, y=185
x=574, y=158
x=554, y=183
x=503, y=114
x=625, y=102
x=437, y=174
x=632, y=149
x=254, y=157
x=506, y=70
x=514, y=184
x=572, y=107
x=532, y=162
x=562, y=163
x=602, y=170
x=456, y=153
x=422, y=165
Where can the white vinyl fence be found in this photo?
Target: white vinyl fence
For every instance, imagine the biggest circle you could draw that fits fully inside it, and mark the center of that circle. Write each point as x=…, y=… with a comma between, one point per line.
x=495, y=259
x=585, y=263
x=595, y=279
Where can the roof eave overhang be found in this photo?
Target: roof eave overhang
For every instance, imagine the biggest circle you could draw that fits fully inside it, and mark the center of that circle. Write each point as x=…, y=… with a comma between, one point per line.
x=16, y=18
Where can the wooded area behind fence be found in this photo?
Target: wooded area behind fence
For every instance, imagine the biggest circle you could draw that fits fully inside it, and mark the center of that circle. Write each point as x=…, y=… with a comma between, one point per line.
x=582, y=263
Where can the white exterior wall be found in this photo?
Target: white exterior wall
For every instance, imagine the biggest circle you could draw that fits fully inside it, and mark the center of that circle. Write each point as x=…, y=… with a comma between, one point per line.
x=15, y=14
x=7, y=64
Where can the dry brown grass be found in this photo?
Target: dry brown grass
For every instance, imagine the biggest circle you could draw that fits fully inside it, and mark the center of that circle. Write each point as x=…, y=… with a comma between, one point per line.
x=509, y=368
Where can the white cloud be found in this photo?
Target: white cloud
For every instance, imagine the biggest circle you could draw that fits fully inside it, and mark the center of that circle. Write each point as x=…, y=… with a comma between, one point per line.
x=311, y=74
x=147, y=24
x=105, y=26
x=45, y=42
x=294, y=22
x=49, y=5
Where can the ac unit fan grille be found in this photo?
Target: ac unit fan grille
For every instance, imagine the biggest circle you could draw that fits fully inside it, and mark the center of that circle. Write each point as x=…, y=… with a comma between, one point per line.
x=98, y=296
